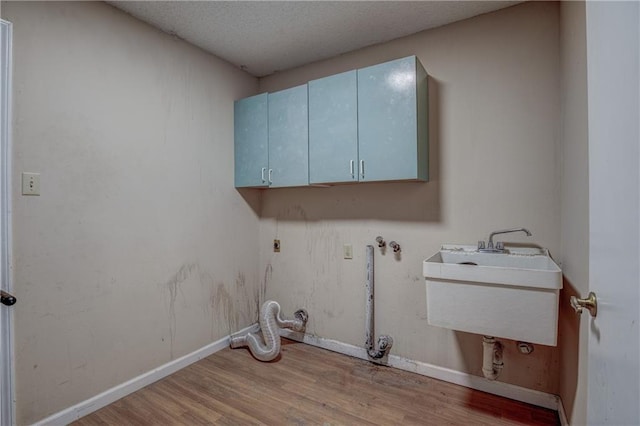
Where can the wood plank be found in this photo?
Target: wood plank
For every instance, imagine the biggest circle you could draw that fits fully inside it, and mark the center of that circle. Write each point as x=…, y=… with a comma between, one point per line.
x=308, y=385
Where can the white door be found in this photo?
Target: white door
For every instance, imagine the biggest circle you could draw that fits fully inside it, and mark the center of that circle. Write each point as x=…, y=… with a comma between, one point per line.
x=613, y=51
x=6, y=353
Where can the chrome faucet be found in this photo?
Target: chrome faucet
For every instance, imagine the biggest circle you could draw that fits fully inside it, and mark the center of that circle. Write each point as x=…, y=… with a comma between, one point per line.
x=499, y=247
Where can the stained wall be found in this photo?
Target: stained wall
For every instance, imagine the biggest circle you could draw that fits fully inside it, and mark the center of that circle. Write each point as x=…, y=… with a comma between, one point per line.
x=494, y=163
x=139, y=250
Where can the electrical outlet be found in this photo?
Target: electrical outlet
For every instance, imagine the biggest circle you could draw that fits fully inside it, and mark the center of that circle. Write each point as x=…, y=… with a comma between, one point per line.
x=30, y=183
x=347, y=251
x=276, y=246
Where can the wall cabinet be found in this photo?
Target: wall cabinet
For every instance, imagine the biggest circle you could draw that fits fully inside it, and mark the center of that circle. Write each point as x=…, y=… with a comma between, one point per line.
x=271, y=139
x=333, y=129
x=369, y=125
x=392, y=121
x=289, y=138
x=251, y=147
x=358, y=126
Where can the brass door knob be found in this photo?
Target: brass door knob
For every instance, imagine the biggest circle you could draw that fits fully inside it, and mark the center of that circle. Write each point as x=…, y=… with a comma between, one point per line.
x=590, y=303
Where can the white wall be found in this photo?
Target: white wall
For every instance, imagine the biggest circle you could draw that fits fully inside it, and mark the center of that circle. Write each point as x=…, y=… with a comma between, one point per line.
x=574, y=223
x=139, y=249
x=494, y=134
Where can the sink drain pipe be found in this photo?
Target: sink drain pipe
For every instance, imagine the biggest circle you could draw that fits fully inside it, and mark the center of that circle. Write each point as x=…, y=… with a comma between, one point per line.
x=491, y=357
x=270, y=323
x=384, y=342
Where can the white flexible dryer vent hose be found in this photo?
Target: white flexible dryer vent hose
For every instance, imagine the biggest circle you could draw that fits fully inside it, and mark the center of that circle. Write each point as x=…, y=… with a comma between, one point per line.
x=270, y=323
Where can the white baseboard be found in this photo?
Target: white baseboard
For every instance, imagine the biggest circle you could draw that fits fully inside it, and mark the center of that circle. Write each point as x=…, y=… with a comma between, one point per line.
x=111, y=395
x=506, y=390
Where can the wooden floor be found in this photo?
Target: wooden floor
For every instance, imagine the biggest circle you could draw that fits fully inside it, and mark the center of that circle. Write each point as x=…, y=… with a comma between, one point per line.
x=309, y=386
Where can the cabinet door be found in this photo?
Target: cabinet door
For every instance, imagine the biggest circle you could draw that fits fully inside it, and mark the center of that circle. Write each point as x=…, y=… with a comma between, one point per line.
x=392, y=121
x=251, y=141
x=289, y=137
x=333, y=129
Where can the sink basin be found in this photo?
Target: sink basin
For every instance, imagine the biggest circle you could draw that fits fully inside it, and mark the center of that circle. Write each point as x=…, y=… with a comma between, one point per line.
x=513, y=295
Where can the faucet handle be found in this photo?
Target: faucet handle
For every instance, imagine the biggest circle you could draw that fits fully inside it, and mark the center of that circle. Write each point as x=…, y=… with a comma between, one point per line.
x=499, y=245
x=480, y=245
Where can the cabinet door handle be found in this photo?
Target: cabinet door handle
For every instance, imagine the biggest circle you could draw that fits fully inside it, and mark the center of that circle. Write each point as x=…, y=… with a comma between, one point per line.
x=362, y=168
x=264, y=169
x=351, y=163
x=270, y=173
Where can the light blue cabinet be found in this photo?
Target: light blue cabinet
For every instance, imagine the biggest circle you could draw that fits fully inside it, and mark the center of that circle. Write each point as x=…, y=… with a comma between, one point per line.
x=271, y=139
x=289, y=138
x=251, y=141
x=333, y=129
x=392, y=121
x=358, y=126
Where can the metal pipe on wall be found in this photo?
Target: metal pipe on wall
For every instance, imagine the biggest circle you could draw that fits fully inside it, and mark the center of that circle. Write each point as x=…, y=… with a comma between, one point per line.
x=491, y=357
x=384, y=342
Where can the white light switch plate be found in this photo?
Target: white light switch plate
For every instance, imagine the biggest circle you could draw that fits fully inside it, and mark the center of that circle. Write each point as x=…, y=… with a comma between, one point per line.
x=30, y=183
x=347, y=250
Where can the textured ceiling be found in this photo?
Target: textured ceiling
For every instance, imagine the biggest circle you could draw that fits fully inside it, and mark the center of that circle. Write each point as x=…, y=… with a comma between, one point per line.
x=267, y=36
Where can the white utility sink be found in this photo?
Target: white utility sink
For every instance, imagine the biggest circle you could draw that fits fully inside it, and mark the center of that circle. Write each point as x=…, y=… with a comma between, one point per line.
x=513, y=295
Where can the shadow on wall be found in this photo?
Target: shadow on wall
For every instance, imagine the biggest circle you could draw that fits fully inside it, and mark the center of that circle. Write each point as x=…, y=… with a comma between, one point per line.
x=530, y=371
x=397, y=201
x=253, y=198
x=569, y=346
x=470, y=347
